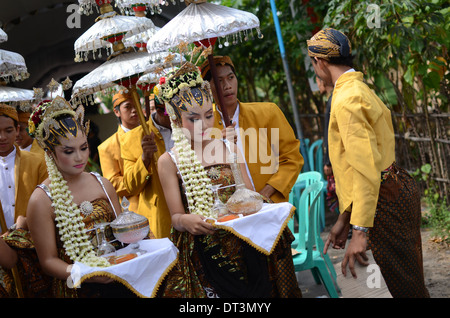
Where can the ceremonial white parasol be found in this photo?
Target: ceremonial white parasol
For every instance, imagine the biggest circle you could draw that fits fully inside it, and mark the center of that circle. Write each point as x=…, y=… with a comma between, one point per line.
x=205, y=23
x=140, y=6
x=124, y=70
x=12, y=66
x=3, y=36
x=16, y=96
x=108, y=32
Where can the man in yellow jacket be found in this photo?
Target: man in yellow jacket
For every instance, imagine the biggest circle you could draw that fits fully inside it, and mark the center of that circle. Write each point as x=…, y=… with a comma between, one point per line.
x=20, y=171
x=377, y=197
x=24, y=140
x=111, y=162
x=263, y=134
x=140, y=154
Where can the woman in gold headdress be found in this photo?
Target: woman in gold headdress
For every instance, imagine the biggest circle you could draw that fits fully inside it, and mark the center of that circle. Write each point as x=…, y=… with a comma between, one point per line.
x=211, y=262
x=69, y=202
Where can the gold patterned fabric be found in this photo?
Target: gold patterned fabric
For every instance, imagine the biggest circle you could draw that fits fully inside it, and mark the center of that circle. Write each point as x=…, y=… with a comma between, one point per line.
x=102, y=212
x=329, y=44
x=9, y=111
x=38, y=285
x=222, y=265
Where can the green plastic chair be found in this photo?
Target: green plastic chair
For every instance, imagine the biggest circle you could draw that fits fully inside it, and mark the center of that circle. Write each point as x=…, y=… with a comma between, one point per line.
x=315, y=159
x=304, y=179
x=310, y=244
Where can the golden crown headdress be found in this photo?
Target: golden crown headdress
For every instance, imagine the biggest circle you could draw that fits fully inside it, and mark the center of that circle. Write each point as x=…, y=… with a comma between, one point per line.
x=43, y=118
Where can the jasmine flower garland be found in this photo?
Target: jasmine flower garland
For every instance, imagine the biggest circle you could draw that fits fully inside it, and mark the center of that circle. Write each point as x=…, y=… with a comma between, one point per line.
x=70, y=224
x=195, y=179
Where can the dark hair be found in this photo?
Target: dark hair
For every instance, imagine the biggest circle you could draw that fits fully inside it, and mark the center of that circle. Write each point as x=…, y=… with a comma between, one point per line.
x=342, y=60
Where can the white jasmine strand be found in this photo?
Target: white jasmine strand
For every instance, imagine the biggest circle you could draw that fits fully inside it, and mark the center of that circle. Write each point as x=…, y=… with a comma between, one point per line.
x=69, y=222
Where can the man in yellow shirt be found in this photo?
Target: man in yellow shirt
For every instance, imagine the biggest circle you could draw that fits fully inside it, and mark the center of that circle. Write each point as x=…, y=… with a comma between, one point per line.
x=20, y=171
x=265, y=137
x=140, y=155
x=111, y=162
x=373, y=191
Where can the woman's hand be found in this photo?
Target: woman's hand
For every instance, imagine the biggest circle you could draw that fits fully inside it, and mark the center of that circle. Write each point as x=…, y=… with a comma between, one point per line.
x=195, y=224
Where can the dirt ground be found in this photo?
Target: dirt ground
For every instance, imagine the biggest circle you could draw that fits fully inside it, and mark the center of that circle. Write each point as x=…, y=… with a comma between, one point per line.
x=436, y=264
x=436, y=261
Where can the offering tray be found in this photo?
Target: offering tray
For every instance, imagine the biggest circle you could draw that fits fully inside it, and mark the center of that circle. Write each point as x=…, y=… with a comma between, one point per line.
x=142, y=274
x=262, y=229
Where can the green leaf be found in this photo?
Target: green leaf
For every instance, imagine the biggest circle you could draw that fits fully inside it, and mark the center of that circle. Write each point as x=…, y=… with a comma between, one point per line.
x=432, y=80
x=426, y=168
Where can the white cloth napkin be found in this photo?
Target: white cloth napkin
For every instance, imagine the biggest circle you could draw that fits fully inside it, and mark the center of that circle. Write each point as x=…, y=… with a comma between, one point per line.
x=142, y=274
x=263, y=228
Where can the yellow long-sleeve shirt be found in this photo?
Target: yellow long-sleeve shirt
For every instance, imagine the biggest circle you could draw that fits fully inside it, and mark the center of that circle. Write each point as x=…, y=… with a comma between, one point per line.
x=271, y=150
x=361, y=145
x=112, y=167
x=145, y=183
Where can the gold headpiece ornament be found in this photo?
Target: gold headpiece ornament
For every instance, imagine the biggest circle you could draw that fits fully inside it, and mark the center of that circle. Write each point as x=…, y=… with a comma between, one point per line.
x=184, y=86
x=43, y=121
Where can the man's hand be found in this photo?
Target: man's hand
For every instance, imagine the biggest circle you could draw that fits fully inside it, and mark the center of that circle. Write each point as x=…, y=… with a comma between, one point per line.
x=356, y=250
x=267, y=191
x=229, y=133
x=148, y=148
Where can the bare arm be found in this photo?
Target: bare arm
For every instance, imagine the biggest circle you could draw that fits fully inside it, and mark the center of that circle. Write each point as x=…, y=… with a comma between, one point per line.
x=41, y=222
x=8, y=257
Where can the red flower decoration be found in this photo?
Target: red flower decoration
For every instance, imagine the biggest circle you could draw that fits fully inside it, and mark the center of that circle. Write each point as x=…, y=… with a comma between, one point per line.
x=162, y=80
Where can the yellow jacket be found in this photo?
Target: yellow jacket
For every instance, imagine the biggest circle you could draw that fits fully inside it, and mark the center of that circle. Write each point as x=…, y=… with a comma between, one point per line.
x=30, y=170
x=36, y=148
x=361, y=145
x=138, y=180
x=271, y=149
x=112, y=167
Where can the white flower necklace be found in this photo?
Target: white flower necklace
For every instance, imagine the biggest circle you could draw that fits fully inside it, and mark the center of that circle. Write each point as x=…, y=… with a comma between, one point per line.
x=196, y=181
x=69, y=221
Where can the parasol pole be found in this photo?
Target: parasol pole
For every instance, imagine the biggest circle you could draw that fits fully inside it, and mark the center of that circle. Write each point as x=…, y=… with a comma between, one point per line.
x=137, y=105
x=14, y=270
x=213, y=69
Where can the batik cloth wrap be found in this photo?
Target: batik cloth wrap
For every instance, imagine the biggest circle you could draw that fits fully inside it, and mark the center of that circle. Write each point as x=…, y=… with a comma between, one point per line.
x=328, y=44
x=395, y=238
x=223, y=265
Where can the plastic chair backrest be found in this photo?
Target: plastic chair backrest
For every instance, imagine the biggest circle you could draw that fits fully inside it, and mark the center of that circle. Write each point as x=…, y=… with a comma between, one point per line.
x=309, y=205
x=304, y=179
x=315, y=156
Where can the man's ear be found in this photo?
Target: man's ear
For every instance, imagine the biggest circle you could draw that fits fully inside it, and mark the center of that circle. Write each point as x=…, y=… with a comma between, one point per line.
x=116, y=111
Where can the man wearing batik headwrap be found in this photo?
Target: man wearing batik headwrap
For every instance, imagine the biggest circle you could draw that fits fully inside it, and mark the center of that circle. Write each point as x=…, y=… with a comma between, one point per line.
x=265, y=137
x=24, y=140
x=377, y=197
x=21, y=171
x=111, y=162
x=140, y=154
